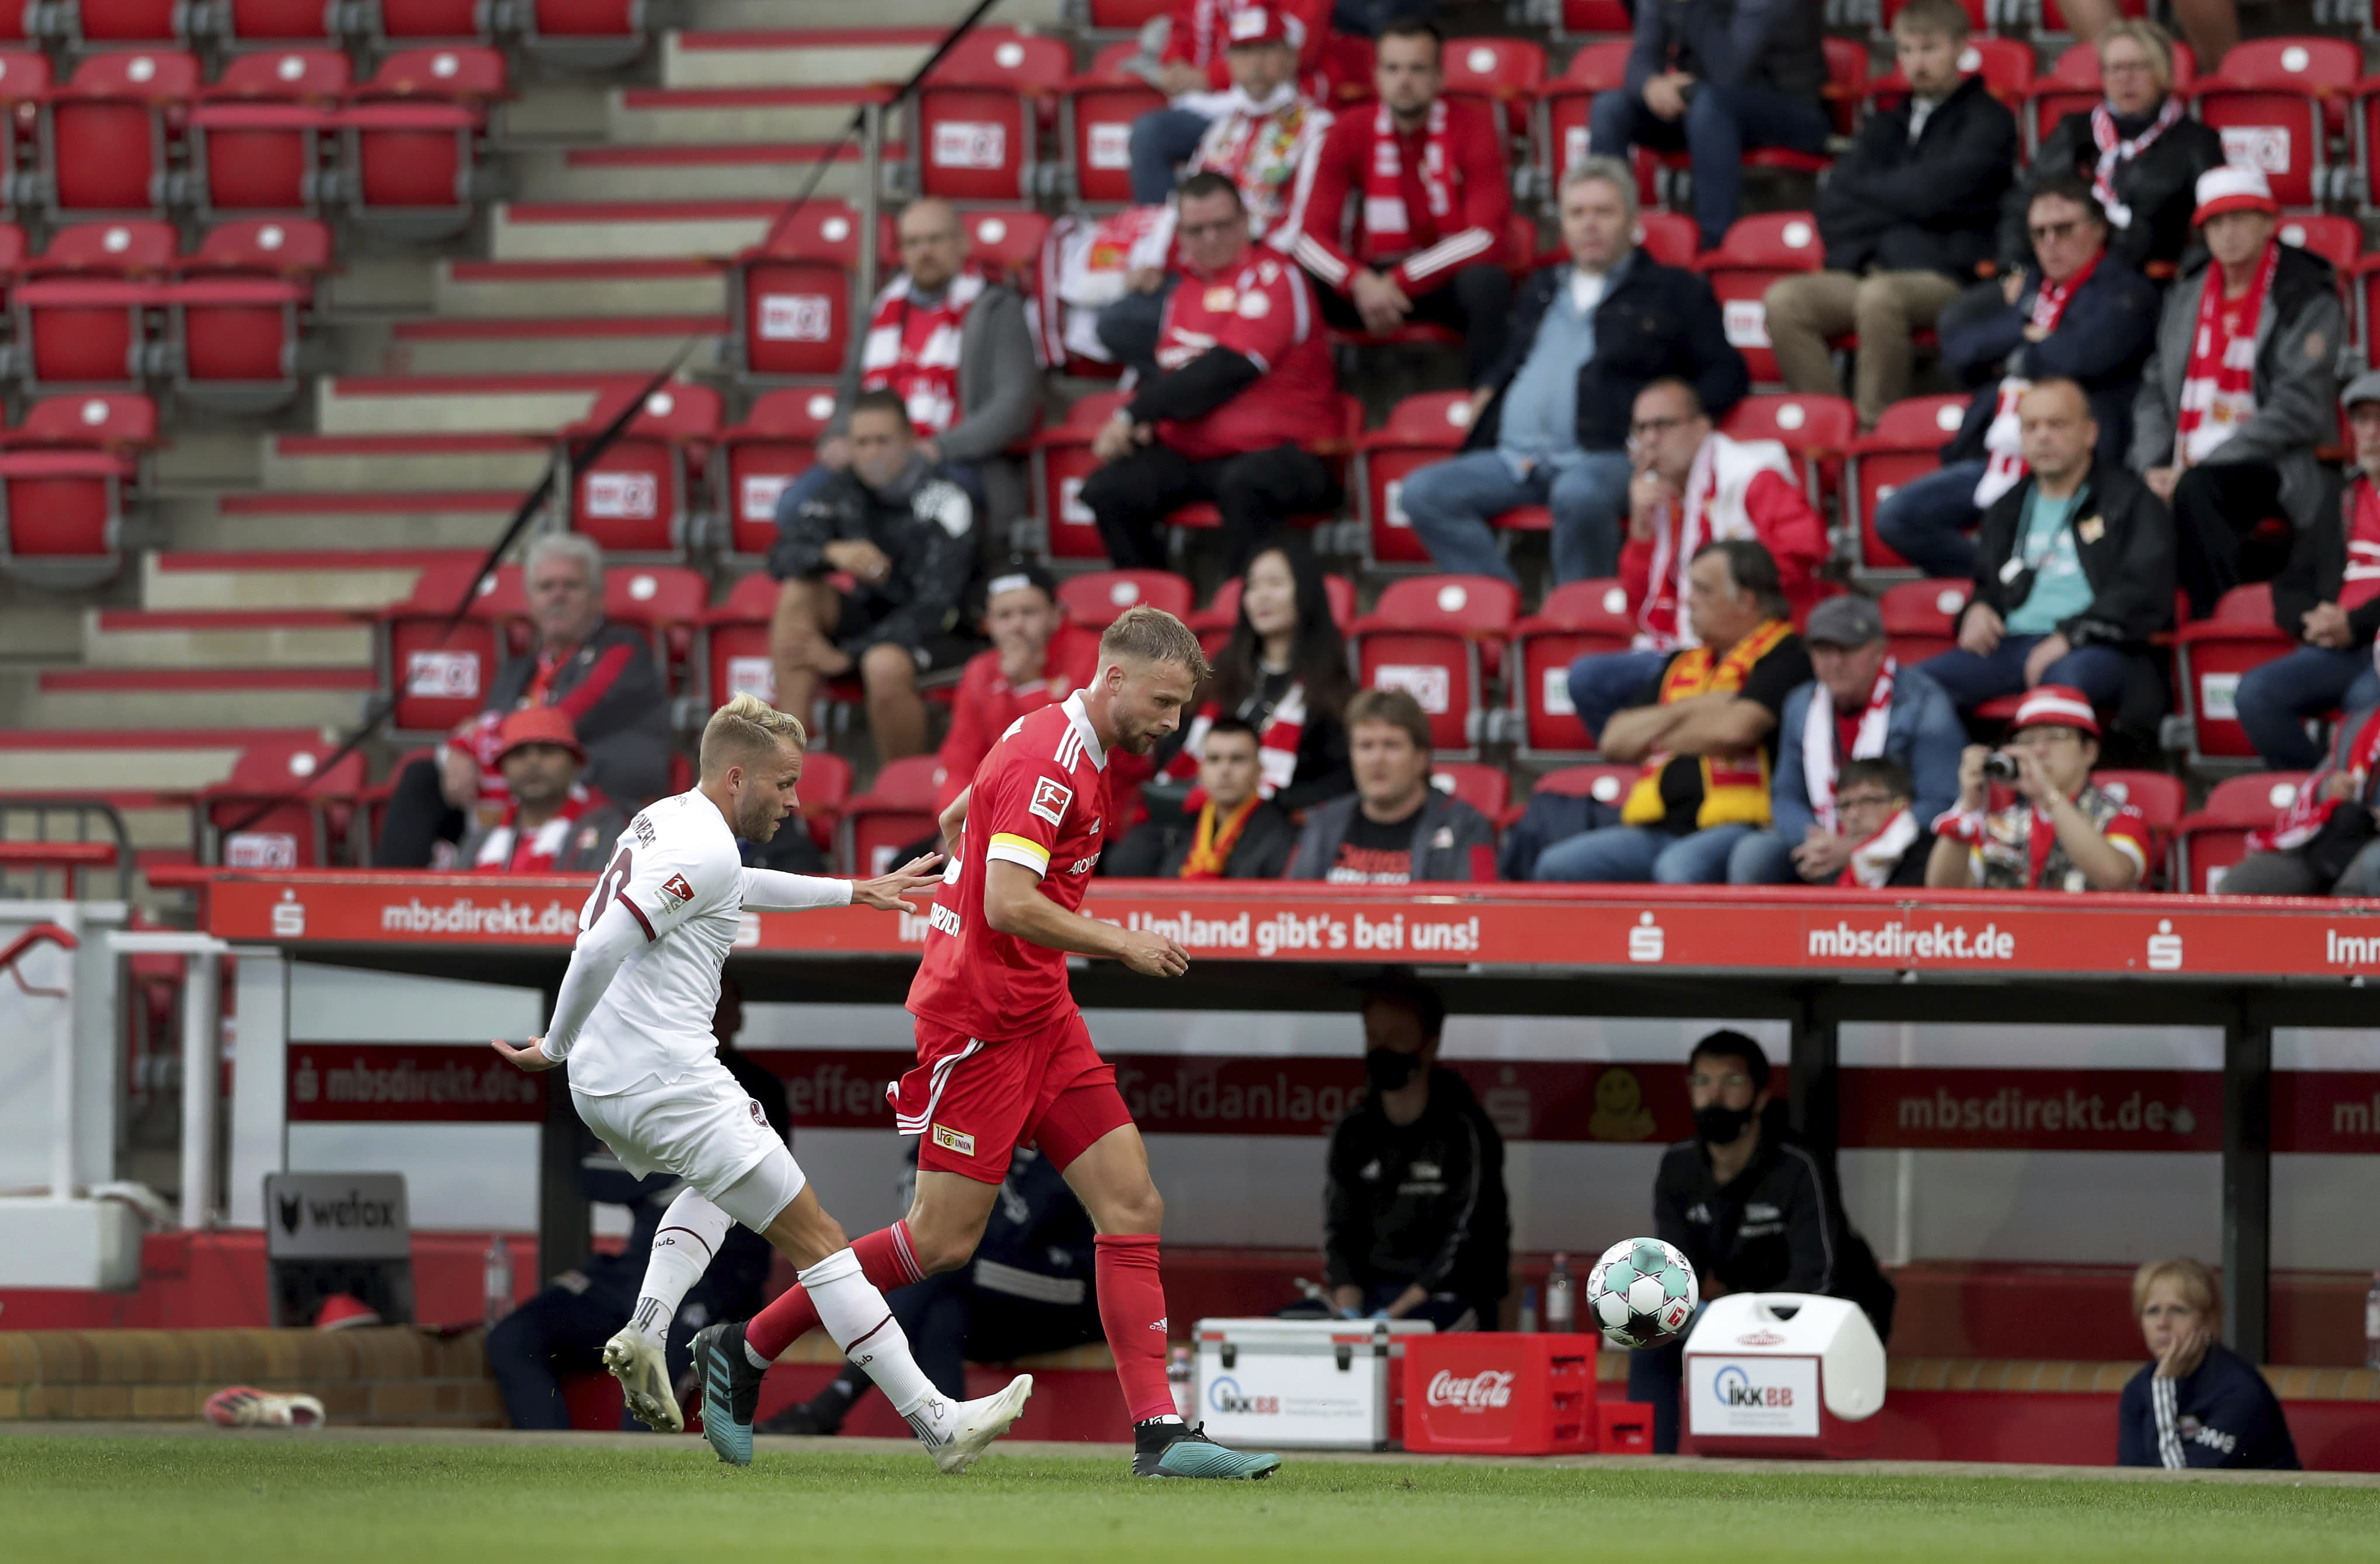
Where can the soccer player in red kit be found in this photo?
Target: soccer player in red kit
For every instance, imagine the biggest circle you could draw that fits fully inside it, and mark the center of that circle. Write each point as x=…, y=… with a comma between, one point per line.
x=1004, y=1057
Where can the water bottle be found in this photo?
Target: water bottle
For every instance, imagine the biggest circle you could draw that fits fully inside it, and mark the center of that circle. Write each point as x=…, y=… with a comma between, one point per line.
x=1562, y=1301
x=497, y=1276
x=1182, y=1376
x=1528, y=1311
x=2372, y=1323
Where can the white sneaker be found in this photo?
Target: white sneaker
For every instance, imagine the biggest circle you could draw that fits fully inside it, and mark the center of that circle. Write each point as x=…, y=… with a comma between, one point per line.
x=981, y=1421
x=644, y=1380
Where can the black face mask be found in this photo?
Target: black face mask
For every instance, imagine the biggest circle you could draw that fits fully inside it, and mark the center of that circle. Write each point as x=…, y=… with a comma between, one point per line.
x=1385, y=1070
x=1720, y=1125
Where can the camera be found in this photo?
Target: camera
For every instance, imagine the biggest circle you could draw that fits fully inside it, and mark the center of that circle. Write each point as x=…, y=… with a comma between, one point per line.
x=1999, y=766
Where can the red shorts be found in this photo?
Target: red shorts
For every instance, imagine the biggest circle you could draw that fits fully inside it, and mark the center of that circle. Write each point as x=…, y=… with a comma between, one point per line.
x=976, y=1102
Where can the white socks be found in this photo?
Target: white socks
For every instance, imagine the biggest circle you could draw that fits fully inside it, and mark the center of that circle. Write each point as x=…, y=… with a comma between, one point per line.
x=854, y=1314
x=690, y=1234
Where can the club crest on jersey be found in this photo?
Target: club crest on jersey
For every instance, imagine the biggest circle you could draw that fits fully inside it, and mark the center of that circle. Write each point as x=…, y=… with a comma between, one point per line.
x=676, y=892
x=954, y=1140
x=1050, y=799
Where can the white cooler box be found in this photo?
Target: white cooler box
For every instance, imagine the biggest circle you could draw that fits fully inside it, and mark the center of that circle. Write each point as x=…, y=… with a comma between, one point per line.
x=1301, y=1384
x=1782, y=1373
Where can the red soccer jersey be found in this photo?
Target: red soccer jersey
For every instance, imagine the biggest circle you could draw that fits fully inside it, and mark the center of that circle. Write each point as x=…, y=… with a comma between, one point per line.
x=1264, y=312
x=1040, y=801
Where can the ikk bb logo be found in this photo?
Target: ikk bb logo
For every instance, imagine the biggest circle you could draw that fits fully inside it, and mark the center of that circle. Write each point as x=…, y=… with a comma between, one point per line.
x=1734, y=1388
x=1225, y=1395
x=1488, y=1387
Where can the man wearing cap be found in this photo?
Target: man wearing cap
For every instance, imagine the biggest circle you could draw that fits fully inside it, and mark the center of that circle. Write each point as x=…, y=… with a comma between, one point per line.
x=1193, y=70
x=2060, y=833
x=1861, y=706
x=2073, y=575
x=1037, y=656
x=553, y=823
x=2327, y=599
x=2242, y=389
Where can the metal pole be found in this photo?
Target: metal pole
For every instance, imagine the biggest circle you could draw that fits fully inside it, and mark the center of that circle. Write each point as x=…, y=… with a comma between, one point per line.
x=201, y=1085
x=2247, y=1188
x=63, y=1118
x=871, y=164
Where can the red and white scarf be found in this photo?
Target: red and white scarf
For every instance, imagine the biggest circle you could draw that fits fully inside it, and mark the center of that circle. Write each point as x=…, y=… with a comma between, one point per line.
x=1277, y=743
x=1874, y=860
x=1260, y=147
x=2362, y=582
x=2115, y=151
x=1819, y=761
x=2308, y=812
x=506, y=851
x=2004, y=465
x=1387, y=222
x=2219, y=390
x=1676, y=540
x=914, y=350
x=1210, y=26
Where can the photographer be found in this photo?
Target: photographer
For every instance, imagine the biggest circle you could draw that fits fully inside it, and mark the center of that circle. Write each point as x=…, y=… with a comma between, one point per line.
x=2061, y=832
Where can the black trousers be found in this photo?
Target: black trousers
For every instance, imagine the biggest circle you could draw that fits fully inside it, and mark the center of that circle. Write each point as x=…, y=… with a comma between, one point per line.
x=1476, y=302
x=1256, y=494
x=2214, y=509
x=418, y=818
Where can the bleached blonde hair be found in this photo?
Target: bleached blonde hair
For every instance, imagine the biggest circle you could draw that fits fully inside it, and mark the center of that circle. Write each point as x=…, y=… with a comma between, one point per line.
x=745, y=728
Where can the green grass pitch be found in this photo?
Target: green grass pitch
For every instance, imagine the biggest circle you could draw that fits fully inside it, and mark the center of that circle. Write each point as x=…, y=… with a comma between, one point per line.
x=155, y=1500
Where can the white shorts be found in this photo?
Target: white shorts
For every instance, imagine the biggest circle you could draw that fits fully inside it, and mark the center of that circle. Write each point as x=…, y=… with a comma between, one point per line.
x=701, y=1128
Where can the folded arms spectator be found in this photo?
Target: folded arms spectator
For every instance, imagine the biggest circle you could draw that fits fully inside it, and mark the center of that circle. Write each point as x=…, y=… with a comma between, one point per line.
x=553, y=823
x=2060, y=833
x=1230, y=830
x=1396, y=828
x=1037, y=656
x=2196, y=1403
x=2323, y=842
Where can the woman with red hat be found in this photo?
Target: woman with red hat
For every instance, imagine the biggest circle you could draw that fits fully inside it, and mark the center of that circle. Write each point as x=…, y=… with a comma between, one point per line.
x=2060, y=831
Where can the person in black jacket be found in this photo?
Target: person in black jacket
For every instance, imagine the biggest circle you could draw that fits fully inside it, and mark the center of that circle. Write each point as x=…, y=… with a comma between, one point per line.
x=2086, y=317
x=1907, y=216
x=1550, y=425
x=2196, y=1403
x=905, y=536
x=1227, y=831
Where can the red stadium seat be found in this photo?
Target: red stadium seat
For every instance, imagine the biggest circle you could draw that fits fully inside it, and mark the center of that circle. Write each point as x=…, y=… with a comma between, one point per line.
x=17, y=21
x=2159, y=798
x=89, y=316
x=2209, y=842
x=1669, y=237
x=583, y=34
x=1604, y=783
x=2277, y=102
x=106, y=140
x=1815, y=429
x=1756, y=251
x=735, y=643
x=2338, y=240
x=24, y=83
x=1503, y=73
x=754, y=461
x=307, y=831
x=2074, y=86
x=825, y=792
x=1110, y=15
x=1583, y=619
x=1487, y=789
x=1421, y=431
x=792, y=294
x=259, y=137
x=1441, y=638
x=1098, y=597
x=1215, y=622
x=421, y=22
x=1095, y=127
x=1563, y=105
x=108, y=250
x=669, y=602
x=1334, y=451
x=1905, y=444
x=86, y=26
x=977, y=133
x=1062, y=459
x=897, y=810
x=1847, y=63
x=1921, y=618
x=439, y=678
x=296, y=247
x=233, y=341
x=638, y=498
x=1008, y=241
x=253, y=24
x=2211, y=654
x=1575, y=17
x=123, y=424
x=411, y=141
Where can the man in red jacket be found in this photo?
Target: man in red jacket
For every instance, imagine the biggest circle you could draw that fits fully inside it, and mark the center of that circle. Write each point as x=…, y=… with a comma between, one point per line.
x=1038, y=655
x=1409, y=206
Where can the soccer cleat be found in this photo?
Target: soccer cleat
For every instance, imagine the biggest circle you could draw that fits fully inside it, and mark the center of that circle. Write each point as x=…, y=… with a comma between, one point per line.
x=981, y=1421
x=644, y=1380
x=1191, y=1454
x=244, y=1406
x=731, y=1390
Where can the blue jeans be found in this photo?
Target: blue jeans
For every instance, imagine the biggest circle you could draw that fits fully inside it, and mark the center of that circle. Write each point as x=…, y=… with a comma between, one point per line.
x=1449, y=504
x=1128, y=328
x=2096, y=671
x=1720, y=122
x=1604, y=682
x=1162, y=139
x=2276, y=699
x=1635, y=854
x=1931, y=521
x=1763, y=859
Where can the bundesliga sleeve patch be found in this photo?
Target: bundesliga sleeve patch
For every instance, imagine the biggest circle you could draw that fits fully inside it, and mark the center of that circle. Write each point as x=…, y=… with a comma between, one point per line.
x=1051, y=799
x=676, y=892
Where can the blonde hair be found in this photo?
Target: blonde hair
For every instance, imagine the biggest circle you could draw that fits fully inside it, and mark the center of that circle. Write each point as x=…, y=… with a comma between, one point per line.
x=1154, y=635
x=2192, y=1280
x=2155, y=42
x=744, y=727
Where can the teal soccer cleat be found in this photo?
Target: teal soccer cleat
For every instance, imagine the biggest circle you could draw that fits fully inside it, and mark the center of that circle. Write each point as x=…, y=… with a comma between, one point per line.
x=730, y=1391
x=1189, y=1453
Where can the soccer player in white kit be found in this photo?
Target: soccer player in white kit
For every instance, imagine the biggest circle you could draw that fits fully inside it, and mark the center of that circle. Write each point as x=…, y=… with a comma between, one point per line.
x=633, y=1023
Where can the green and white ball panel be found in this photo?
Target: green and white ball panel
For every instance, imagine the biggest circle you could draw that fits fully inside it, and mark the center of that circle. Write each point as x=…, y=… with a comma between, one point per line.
x=1641, y=1292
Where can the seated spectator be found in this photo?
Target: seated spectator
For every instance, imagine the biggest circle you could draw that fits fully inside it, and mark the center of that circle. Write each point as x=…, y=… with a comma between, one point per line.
x=1284, y=674
x=1907, y=216
x=1262, y=141
x=1693, y=486
x=1411, y=199
x=2060, y=833
x=1716, y=82
x=1246, y=390
x=1548, y=420
x=953, y=342
x=2141, y=152
x=1415, y=1221
x=1038, y=655
x=1863, y=709
x=2323, y=844
x=2073, y=575
x=1395, y=829
x=901, y=536
x=1229, y=829
x=1705, y=729
x=2242, y=387
x=2086, y=317
x=2211, y=26
x=553, y=823
x=1192, y=71
x=1891, y=843
x=599, y=675
x=2326, y=599
x=2195, y=1403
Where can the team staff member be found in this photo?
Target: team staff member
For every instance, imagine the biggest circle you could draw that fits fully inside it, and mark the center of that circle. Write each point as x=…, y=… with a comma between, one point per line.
x=2198, y=1403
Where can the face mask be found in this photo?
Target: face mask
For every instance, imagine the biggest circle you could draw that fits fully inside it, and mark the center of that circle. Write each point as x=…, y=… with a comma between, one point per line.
x=1720, y=1125
x=1385, y=1069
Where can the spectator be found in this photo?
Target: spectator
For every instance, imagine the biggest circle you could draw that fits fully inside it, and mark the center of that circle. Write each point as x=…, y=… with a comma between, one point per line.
x=2323, y=843
x=1892, y=844
x=2212, y=26
x=1693, y=486
x=1415, y=1222
x=553, y=823
x=599, y=675
x=1548, y=425
x=2196, y=1402
x=2061, y=832
x=1862, y=709
x=1194, y=58
x=1038, y=655
x=2073, y=575
x=2139, y=152
x=1705, y=728
x=953, y=342
x=1229, y=830
x=1247, y=390
x=2327, y=599
x=1717, y=80
x=1395, y=828
x=902, y=535
x=2241, y=388
x=1263, y=142
x=2086, y=317
x=1908, y=216
x=1284, y=674
x=1409, y=203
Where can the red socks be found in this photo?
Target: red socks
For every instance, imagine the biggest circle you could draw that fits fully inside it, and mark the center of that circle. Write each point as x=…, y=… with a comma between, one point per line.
x=886, y=1258
x=1132, y=1310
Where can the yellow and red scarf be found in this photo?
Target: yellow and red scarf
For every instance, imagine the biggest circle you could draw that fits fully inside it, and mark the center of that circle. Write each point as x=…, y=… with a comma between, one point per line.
x=1735, y=787
x=1211, y=848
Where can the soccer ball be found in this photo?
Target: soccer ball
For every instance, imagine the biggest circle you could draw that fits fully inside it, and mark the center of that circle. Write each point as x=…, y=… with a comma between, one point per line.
x=1641, y=1292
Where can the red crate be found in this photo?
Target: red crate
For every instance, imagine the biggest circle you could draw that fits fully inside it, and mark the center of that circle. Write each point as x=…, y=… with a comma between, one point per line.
x=1474, y=1393
x=1623, y=1427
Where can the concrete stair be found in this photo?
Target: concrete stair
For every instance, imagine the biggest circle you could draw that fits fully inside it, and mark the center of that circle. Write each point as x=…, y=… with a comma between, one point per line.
x=548, y=289
x=186, y=639
x=775, y=172
x=345, y=579
x=653, y=117
x=157, y=760
x=399, y=463
x=598, y=344
x=457, y=404
x=324, y=523
x=133, y=699
x=805, y=58
x=761, y=16
x=626, y=230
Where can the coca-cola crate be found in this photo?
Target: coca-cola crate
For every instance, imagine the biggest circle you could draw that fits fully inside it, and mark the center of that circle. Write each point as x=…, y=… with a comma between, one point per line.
x=1474, y=1393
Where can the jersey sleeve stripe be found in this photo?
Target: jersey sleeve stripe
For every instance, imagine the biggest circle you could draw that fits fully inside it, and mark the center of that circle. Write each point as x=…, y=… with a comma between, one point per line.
x=1018, y=851
x=642, y=921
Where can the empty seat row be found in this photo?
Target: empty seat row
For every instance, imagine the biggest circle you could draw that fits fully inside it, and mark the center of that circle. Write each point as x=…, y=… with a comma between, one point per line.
x=589, y=34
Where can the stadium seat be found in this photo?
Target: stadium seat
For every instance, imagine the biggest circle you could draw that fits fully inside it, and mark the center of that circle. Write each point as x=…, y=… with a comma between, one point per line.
x=1334, y=451
x=638, y=498
x=1215, y=622
x=64, y=478
x=89, y=314
x=1114, y=15
x=670, y=603
x=1921, y=618
x=258, y=136
x=1605, y=784
x=584, y=36
x=1755, y=252
x=307, y=831
x=1441, y=638
x=825, y=792
x=1095, y=127
x=410, y=142
x=895, y=811
x=131, y=248
x=1062, y=459
x=263, y=24
x=2005, y=64
x=107, y=138
x=734, y=658
x=1905, y=444
x=1583, y=619
x=754, y=460
x=2277, y=102
x=233, y=342
x=401, y=22
x=84, y=27
x=976, y=131
x=790, y=296
x=1669, y=237
x=1096, y=598
x=24, y=83
x=439, y=678
x=296, y=247
x=2209, y=841
x=1562, y=108
x=20, y=21
x=1487, y=789
x=2159, y=798
x=2074, y=86
x=1569, y=18
x=2211, y=654
x=2338, y=240
x=1421, y=431
x=1815, y=429
x=1847, y=67
x=1503, y=73
x=1008, y=241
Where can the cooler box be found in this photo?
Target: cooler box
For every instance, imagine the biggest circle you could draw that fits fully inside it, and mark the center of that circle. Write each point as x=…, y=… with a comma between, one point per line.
x=1782, y=1373
x=1304, y=1384
x=1480, y=1393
